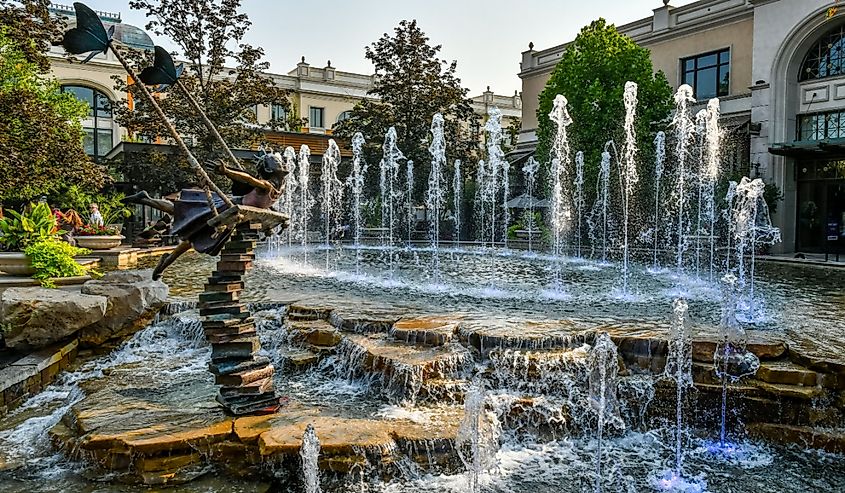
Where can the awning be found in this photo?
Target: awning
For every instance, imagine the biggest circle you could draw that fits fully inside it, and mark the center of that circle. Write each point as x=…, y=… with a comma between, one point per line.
x=818, y=149
x=518, y=157
x=526, y=201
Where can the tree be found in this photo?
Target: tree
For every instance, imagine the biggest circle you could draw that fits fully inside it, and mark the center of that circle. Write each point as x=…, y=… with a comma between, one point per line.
x=412, y=84
x=209, y=36
x=592, y=73
x=41, y=133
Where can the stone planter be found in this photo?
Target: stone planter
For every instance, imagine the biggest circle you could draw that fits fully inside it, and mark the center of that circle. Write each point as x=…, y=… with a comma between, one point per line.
x=16, y=264
x=98, y=242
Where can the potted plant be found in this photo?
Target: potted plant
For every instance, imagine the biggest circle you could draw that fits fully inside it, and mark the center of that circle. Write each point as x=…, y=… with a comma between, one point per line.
x=20, y=230
x=98, y=237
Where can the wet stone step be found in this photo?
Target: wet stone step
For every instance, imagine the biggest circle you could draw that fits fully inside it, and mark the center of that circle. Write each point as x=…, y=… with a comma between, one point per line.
x=526, y=336
x=226, y=367
x=785, y=372
x=366, y=322
x=301, y=312
x=549, y=370
x=314, y=332
x=428, y=331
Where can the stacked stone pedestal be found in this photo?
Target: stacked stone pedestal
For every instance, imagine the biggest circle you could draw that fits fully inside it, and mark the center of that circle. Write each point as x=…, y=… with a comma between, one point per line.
x=246, y=379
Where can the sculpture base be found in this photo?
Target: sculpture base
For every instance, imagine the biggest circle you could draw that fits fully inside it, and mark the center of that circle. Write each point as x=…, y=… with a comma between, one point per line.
x=246, y=379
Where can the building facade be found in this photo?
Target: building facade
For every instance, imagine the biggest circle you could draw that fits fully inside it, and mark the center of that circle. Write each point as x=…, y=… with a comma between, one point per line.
x=778, y=67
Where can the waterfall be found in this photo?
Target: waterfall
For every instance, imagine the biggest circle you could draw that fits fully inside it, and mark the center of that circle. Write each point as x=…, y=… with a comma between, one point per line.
x=435, y=198
x=331, y=196
x=309, y=452
x=356, y=183
x=628, y=172
x=684, y=133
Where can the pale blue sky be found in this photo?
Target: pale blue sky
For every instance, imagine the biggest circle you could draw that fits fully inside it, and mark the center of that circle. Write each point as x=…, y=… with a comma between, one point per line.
x=486, y=37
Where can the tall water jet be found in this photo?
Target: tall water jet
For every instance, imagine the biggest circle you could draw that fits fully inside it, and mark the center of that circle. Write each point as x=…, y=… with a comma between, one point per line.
x=530, y=173
x=684, y=133
x=480, y=201
x=731, y=360
x=309, y=453
x=700, y=130
x=603, y=379
x=496, y=163
x=628, y=172
x=435, y=198
x=599, y=214
x=679, y=369
x=561, y=211
x=306, y=202
x=410, y=214
x=457, y=199
x=289, y=194
x=727, y=214
x=659, y=167
x=752, y=228
x=713, y=146
x=477, y=439
x=388, y=184
x=331, y=196
x=356, y=181
x=579, y=199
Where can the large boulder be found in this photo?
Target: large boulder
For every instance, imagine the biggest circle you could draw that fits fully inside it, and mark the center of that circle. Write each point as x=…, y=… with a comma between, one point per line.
x=133, y=300
x=37, y=317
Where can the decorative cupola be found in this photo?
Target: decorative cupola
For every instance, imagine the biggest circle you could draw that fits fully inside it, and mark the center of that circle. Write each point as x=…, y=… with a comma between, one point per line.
x=302, y=68
x=328, y=71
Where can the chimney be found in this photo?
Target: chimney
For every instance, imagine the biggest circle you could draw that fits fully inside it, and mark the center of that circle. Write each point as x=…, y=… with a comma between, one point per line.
x=488, y=96
x=328, y=71
x=302, y=68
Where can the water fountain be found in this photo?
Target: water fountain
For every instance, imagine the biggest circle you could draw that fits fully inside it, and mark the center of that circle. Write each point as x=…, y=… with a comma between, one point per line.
x=305, y=200
x=679, y=369
x=356, y=182
x=481, y=202
x=530, y=173
x=457, y=199
x=628, y=172
x=435, y=198
x=388, y=184
x=309, y=453
x=560, y=210
x=288, y=201
x=410, y=213
x=496, y=164
x=700, y=136
x=331, y=196
x=603, y=365
x=579, y=199
x=712, y=146
x=752, y=227
x=599, y=219
x=659, y=167
x=478, y=436
x=684, y=134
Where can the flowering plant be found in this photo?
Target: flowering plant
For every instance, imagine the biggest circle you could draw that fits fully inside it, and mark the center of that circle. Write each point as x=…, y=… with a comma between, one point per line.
x=89, y=230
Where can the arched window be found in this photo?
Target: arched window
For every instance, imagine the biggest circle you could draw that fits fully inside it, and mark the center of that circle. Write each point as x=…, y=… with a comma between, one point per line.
x=344, y=116
x=826, y=58
x=99, y=126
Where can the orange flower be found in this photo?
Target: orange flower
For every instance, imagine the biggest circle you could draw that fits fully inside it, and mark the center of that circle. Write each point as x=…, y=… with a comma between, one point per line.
x=831, y=12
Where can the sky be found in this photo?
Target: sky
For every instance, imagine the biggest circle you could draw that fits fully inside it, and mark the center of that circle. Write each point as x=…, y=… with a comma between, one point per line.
x=486, y=37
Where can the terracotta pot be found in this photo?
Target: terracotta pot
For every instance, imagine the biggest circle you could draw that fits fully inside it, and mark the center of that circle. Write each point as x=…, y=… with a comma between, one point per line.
x=98, y=242
x=16, y=264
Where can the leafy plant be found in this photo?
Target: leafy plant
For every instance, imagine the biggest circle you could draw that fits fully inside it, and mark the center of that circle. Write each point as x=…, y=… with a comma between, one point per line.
x=111, y=207
x=52, y=258
x=19, y=230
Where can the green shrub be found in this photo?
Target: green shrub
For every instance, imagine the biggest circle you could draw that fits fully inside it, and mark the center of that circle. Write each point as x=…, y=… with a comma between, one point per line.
x=53, y=258
x=22, y=230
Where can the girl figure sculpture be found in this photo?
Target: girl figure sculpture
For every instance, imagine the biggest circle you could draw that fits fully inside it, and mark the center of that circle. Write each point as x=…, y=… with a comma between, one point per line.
x=191, y=211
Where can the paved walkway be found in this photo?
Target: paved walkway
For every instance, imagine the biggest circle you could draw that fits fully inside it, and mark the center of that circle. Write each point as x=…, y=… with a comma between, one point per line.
x=815, y=259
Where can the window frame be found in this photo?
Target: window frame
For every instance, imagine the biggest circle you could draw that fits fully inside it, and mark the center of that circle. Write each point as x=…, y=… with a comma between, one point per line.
x=821, y=48
x=311, y=117
x=273, y=110
x=721, y=68
x=100, y=110
x=833, y=119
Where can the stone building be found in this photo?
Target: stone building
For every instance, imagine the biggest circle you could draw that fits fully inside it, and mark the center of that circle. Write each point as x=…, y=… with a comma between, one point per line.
x=778, y=67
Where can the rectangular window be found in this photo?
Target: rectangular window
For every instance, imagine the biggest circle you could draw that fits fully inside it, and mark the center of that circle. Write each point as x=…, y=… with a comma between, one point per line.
x=315, y=119
x=708, y=74
x=277, y=112
x=822, y=126
x=104, y=142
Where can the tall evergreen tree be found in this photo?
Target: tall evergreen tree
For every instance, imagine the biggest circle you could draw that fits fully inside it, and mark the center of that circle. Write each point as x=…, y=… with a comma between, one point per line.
x=412, y=84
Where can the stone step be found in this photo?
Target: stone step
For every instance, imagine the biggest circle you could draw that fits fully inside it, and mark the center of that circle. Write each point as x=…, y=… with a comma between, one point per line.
x=364, y=322
x=226, y=367
x=785, y=372
x=703, y=350
x=244, y=377
x=301, y=312
x=301, y=359
x=401, y=369
x=542, y=371
x=790, y=391
x=444, y=391
x=427, y=331
x=830, y=440
x=525, y=336
x=240, y=348
x=314, y=332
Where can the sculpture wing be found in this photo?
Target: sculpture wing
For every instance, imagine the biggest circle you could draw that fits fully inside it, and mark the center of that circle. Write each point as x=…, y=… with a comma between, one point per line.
x=89, y=35
x=163, y=72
